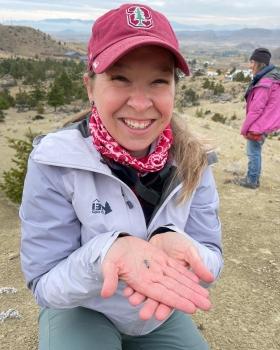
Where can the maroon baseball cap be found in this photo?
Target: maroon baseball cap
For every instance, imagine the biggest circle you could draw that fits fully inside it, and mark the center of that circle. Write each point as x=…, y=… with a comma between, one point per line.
x=128, y=27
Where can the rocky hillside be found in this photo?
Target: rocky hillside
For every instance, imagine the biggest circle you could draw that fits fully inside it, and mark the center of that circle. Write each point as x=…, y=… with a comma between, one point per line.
x=26, y=41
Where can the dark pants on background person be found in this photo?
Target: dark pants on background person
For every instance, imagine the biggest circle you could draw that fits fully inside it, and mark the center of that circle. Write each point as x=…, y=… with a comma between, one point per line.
x=254, y=153
x=83, y=329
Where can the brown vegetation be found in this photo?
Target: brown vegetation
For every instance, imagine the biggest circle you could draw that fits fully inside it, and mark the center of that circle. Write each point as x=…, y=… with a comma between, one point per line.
x=28, y=42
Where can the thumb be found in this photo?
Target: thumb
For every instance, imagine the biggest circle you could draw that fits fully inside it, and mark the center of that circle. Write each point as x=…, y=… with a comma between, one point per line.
x=198, y=266
x=110, y=276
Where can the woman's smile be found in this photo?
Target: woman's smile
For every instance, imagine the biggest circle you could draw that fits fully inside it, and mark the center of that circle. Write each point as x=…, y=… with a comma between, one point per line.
x=137, y=124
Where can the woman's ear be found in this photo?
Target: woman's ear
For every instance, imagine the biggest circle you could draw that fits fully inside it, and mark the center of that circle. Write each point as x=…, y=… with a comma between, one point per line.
x=88, y=84
x=85, y=79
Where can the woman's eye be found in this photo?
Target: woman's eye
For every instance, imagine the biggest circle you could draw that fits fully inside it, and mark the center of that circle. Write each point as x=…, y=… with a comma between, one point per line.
x=160, y=81
x=120, y=78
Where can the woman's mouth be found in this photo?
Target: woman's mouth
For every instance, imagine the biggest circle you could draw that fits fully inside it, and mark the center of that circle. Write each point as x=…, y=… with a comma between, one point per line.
x=137, y=124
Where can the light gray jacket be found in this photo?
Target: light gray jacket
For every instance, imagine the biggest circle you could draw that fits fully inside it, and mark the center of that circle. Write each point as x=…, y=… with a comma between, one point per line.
x=72, y=211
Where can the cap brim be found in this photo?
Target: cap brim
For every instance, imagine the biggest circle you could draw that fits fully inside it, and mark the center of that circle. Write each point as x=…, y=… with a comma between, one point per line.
x=110, y=55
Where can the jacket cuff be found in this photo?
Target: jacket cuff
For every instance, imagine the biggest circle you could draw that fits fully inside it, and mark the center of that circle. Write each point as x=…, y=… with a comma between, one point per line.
x=110, y=242
x=162, y=229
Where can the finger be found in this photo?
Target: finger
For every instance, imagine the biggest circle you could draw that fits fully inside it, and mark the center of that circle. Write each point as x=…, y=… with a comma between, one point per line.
x=153, y=308
x=148, y=309
x=198, y=266
x=162, y=312
x=183, y=270
x=128, y=291
x=160, y=293
x=200, y=301
x=157, y=291
x=110, y=283
x=185, y=288
x=136, y=298
x=185, y=280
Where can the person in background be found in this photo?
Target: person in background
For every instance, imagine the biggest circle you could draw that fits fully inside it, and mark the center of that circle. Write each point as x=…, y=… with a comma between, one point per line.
x=262, y=113
x=119, y=216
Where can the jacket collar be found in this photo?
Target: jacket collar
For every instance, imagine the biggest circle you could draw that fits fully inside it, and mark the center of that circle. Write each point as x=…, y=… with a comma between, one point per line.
x=258, y=77
x=70, y=147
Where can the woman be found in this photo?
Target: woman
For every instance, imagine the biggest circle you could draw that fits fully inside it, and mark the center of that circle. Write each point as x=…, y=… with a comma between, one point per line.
x=262, y=112
x=119, y=211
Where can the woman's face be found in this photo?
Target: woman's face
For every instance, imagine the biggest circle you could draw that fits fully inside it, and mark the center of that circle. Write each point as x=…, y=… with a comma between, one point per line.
x=254, y=66
x=135, y=97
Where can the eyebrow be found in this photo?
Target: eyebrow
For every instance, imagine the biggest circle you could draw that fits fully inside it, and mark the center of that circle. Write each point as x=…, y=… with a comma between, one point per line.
x=162, y=69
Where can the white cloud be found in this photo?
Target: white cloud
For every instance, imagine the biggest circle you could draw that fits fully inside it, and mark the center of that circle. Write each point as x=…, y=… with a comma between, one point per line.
x=243, y=12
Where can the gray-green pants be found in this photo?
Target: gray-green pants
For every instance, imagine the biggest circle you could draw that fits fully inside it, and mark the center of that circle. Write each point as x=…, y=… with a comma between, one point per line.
x=84, y=329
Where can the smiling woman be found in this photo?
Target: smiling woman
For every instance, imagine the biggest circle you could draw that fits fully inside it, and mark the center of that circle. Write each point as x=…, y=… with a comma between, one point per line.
x=119, y=210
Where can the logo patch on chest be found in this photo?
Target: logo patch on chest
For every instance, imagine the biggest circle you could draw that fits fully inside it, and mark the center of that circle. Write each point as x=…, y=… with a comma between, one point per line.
x=98, y=208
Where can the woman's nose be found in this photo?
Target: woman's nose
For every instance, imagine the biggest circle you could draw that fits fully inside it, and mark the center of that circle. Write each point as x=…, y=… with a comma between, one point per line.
x=139, y=100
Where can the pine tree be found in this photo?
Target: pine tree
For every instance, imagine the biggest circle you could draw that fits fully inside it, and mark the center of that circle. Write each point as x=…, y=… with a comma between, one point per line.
x=37, y=94
x=23, y=100
x=56, y=96
x=65, y=83
x=13, y=179
x=6, y=100
x=139, y=16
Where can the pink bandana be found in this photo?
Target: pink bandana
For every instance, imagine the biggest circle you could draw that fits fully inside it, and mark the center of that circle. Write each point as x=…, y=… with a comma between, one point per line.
x=109, y=147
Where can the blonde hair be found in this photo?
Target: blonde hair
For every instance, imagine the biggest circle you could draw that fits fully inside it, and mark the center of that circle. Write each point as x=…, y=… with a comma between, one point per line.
x=77, y=117
x=190, y=156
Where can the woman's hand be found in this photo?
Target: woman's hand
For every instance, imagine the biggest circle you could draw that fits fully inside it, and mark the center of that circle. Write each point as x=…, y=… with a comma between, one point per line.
x=149, y=308
x=179, y=247
x=150, y=272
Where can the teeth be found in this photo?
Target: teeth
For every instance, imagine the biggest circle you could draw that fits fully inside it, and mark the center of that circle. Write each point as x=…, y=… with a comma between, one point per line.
x=137, y=124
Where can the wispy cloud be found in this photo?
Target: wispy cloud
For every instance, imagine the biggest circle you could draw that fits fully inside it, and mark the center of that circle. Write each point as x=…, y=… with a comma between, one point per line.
x=248, y=13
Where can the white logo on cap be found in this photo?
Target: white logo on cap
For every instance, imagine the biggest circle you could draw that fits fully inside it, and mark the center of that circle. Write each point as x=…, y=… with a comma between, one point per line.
x=139, y=17
x=95, y=64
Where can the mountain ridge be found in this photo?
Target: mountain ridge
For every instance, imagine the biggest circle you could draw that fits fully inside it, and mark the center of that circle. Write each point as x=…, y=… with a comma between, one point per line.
x=29, y=42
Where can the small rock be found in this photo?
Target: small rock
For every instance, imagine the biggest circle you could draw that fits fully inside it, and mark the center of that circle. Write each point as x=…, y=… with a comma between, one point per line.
x=8, y=290
x=13, y=256
x=265, y=251
x=11, y=313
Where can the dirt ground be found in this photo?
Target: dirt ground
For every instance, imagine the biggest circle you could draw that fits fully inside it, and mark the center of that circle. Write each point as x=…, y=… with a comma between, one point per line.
x=246, y=312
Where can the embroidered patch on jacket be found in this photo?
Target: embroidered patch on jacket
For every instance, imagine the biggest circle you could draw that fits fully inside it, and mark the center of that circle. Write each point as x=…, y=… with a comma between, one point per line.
x=139, y=17
x=98, y=208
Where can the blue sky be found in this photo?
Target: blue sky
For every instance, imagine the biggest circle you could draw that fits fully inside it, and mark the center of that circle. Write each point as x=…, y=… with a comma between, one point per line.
x=250, y=13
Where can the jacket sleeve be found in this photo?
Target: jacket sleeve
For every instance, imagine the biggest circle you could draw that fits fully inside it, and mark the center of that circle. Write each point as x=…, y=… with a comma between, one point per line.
x=60, y=272
x=203, y=225
x=256, y=107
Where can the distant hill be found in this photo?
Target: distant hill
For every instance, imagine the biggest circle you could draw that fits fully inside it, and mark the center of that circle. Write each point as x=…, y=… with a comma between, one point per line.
x=30, y=42
x=26, y=41
x=245, y=46
x=254, y=36
x=79, y=30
